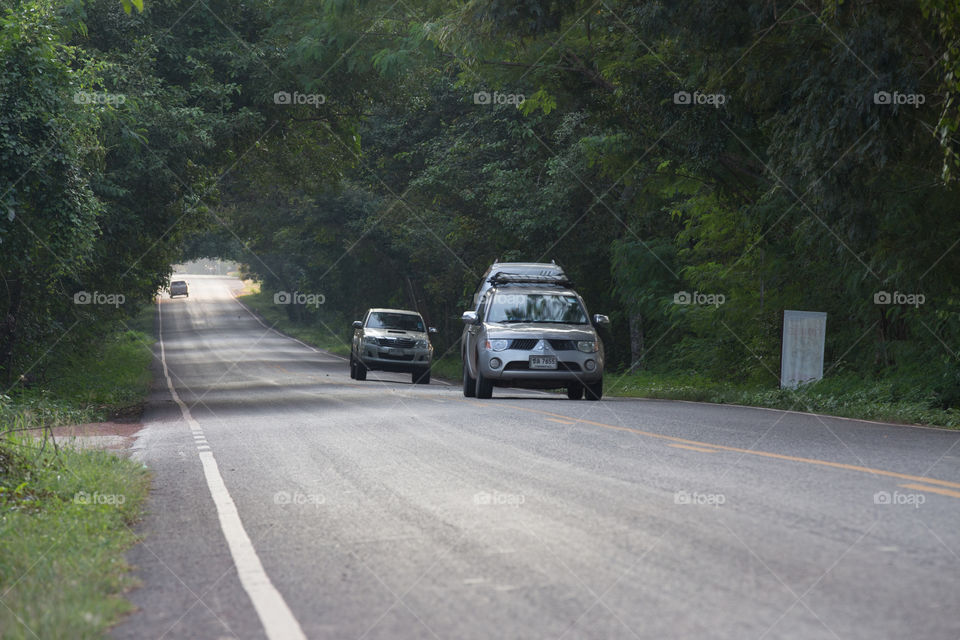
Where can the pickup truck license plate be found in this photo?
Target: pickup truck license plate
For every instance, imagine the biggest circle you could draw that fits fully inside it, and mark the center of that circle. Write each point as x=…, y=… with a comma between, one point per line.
x=543, y=362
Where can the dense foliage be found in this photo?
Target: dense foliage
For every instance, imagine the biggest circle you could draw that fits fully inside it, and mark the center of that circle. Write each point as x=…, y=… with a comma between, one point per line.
x=114, y=128
x=781, y=155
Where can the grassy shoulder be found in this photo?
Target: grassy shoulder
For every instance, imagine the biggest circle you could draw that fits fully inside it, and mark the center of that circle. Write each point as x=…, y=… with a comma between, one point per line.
x=65, y=514
x=887, y=400
x=275, y=315
x=898, y=400
x=449, y=366
x=64, y=524
x=108, y=381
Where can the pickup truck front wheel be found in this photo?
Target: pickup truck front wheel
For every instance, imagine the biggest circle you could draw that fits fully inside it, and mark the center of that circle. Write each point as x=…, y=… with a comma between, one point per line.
x=484, y=386
x=469, y=384
x=594, y=390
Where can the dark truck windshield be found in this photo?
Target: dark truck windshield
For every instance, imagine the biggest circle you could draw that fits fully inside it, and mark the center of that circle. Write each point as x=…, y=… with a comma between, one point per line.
x=536, y=307
x=403, y=321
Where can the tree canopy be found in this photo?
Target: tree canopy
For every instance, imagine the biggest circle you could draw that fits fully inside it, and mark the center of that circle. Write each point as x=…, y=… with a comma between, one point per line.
x=782, y=155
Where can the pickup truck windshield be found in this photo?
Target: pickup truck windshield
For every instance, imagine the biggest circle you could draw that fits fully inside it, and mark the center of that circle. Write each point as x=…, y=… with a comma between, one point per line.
x=536, y=307
x=401, y=321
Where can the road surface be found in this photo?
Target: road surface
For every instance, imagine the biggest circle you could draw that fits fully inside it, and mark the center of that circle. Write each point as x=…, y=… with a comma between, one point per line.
x=291, y=501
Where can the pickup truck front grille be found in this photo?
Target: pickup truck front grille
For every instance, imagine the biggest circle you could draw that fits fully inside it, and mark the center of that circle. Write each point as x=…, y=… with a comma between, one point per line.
x=402, y=343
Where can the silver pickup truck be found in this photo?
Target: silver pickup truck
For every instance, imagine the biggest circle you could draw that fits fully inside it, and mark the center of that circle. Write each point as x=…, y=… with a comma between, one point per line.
x=531, y=330
x=391, y=340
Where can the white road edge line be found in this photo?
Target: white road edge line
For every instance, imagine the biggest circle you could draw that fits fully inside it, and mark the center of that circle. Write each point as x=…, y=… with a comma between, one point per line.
x=274, y=613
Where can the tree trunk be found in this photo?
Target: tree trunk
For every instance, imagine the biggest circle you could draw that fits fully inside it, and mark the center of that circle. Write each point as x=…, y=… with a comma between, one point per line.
x=8, y=330
x=636, y=341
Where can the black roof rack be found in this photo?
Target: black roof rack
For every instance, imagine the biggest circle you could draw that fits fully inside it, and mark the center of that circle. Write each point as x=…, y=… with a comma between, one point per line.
x=524, y=278
x=502, y=261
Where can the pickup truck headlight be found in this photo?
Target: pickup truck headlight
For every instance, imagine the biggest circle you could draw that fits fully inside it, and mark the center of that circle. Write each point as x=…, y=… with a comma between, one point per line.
x=421, y=344
x=587, y=346
x=497, y=345
x=370, y=340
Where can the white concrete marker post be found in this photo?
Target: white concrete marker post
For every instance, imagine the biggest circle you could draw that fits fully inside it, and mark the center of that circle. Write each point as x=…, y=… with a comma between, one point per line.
x=801, y=351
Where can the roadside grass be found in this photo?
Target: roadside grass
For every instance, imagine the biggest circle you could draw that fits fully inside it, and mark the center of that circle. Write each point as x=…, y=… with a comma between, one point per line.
x=897, y=399
x=107, y=381
x=64, y=513
x=63, y=528
x=274, y=315
x=449, y=366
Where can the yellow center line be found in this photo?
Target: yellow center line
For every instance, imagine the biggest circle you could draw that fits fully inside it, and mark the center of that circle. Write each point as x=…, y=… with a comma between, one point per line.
x=686, y=446
x=561, y=421
x=943, y=492
x=752, y=452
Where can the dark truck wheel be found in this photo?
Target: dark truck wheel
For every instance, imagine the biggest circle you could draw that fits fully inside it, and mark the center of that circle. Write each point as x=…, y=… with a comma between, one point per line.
x=594, y=390
x=575, y=390
x=469, y=384
x=421, y=376
x=484, y=386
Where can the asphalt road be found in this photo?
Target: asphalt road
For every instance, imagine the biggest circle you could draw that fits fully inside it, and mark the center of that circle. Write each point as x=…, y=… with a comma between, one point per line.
x=290, y=500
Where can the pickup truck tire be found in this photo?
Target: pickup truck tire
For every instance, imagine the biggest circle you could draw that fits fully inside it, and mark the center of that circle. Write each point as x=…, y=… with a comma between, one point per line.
x=469, y=384
x=484, y=387
x=594, y=390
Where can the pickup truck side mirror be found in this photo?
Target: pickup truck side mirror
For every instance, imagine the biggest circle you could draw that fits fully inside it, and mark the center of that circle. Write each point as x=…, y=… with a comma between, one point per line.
x=469, y=317
x=357, y=324
x=431, y=329
x=601, y=320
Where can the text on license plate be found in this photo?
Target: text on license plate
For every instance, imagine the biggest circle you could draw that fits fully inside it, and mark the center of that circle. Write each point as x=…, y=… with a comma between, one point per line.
x=543, y=362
